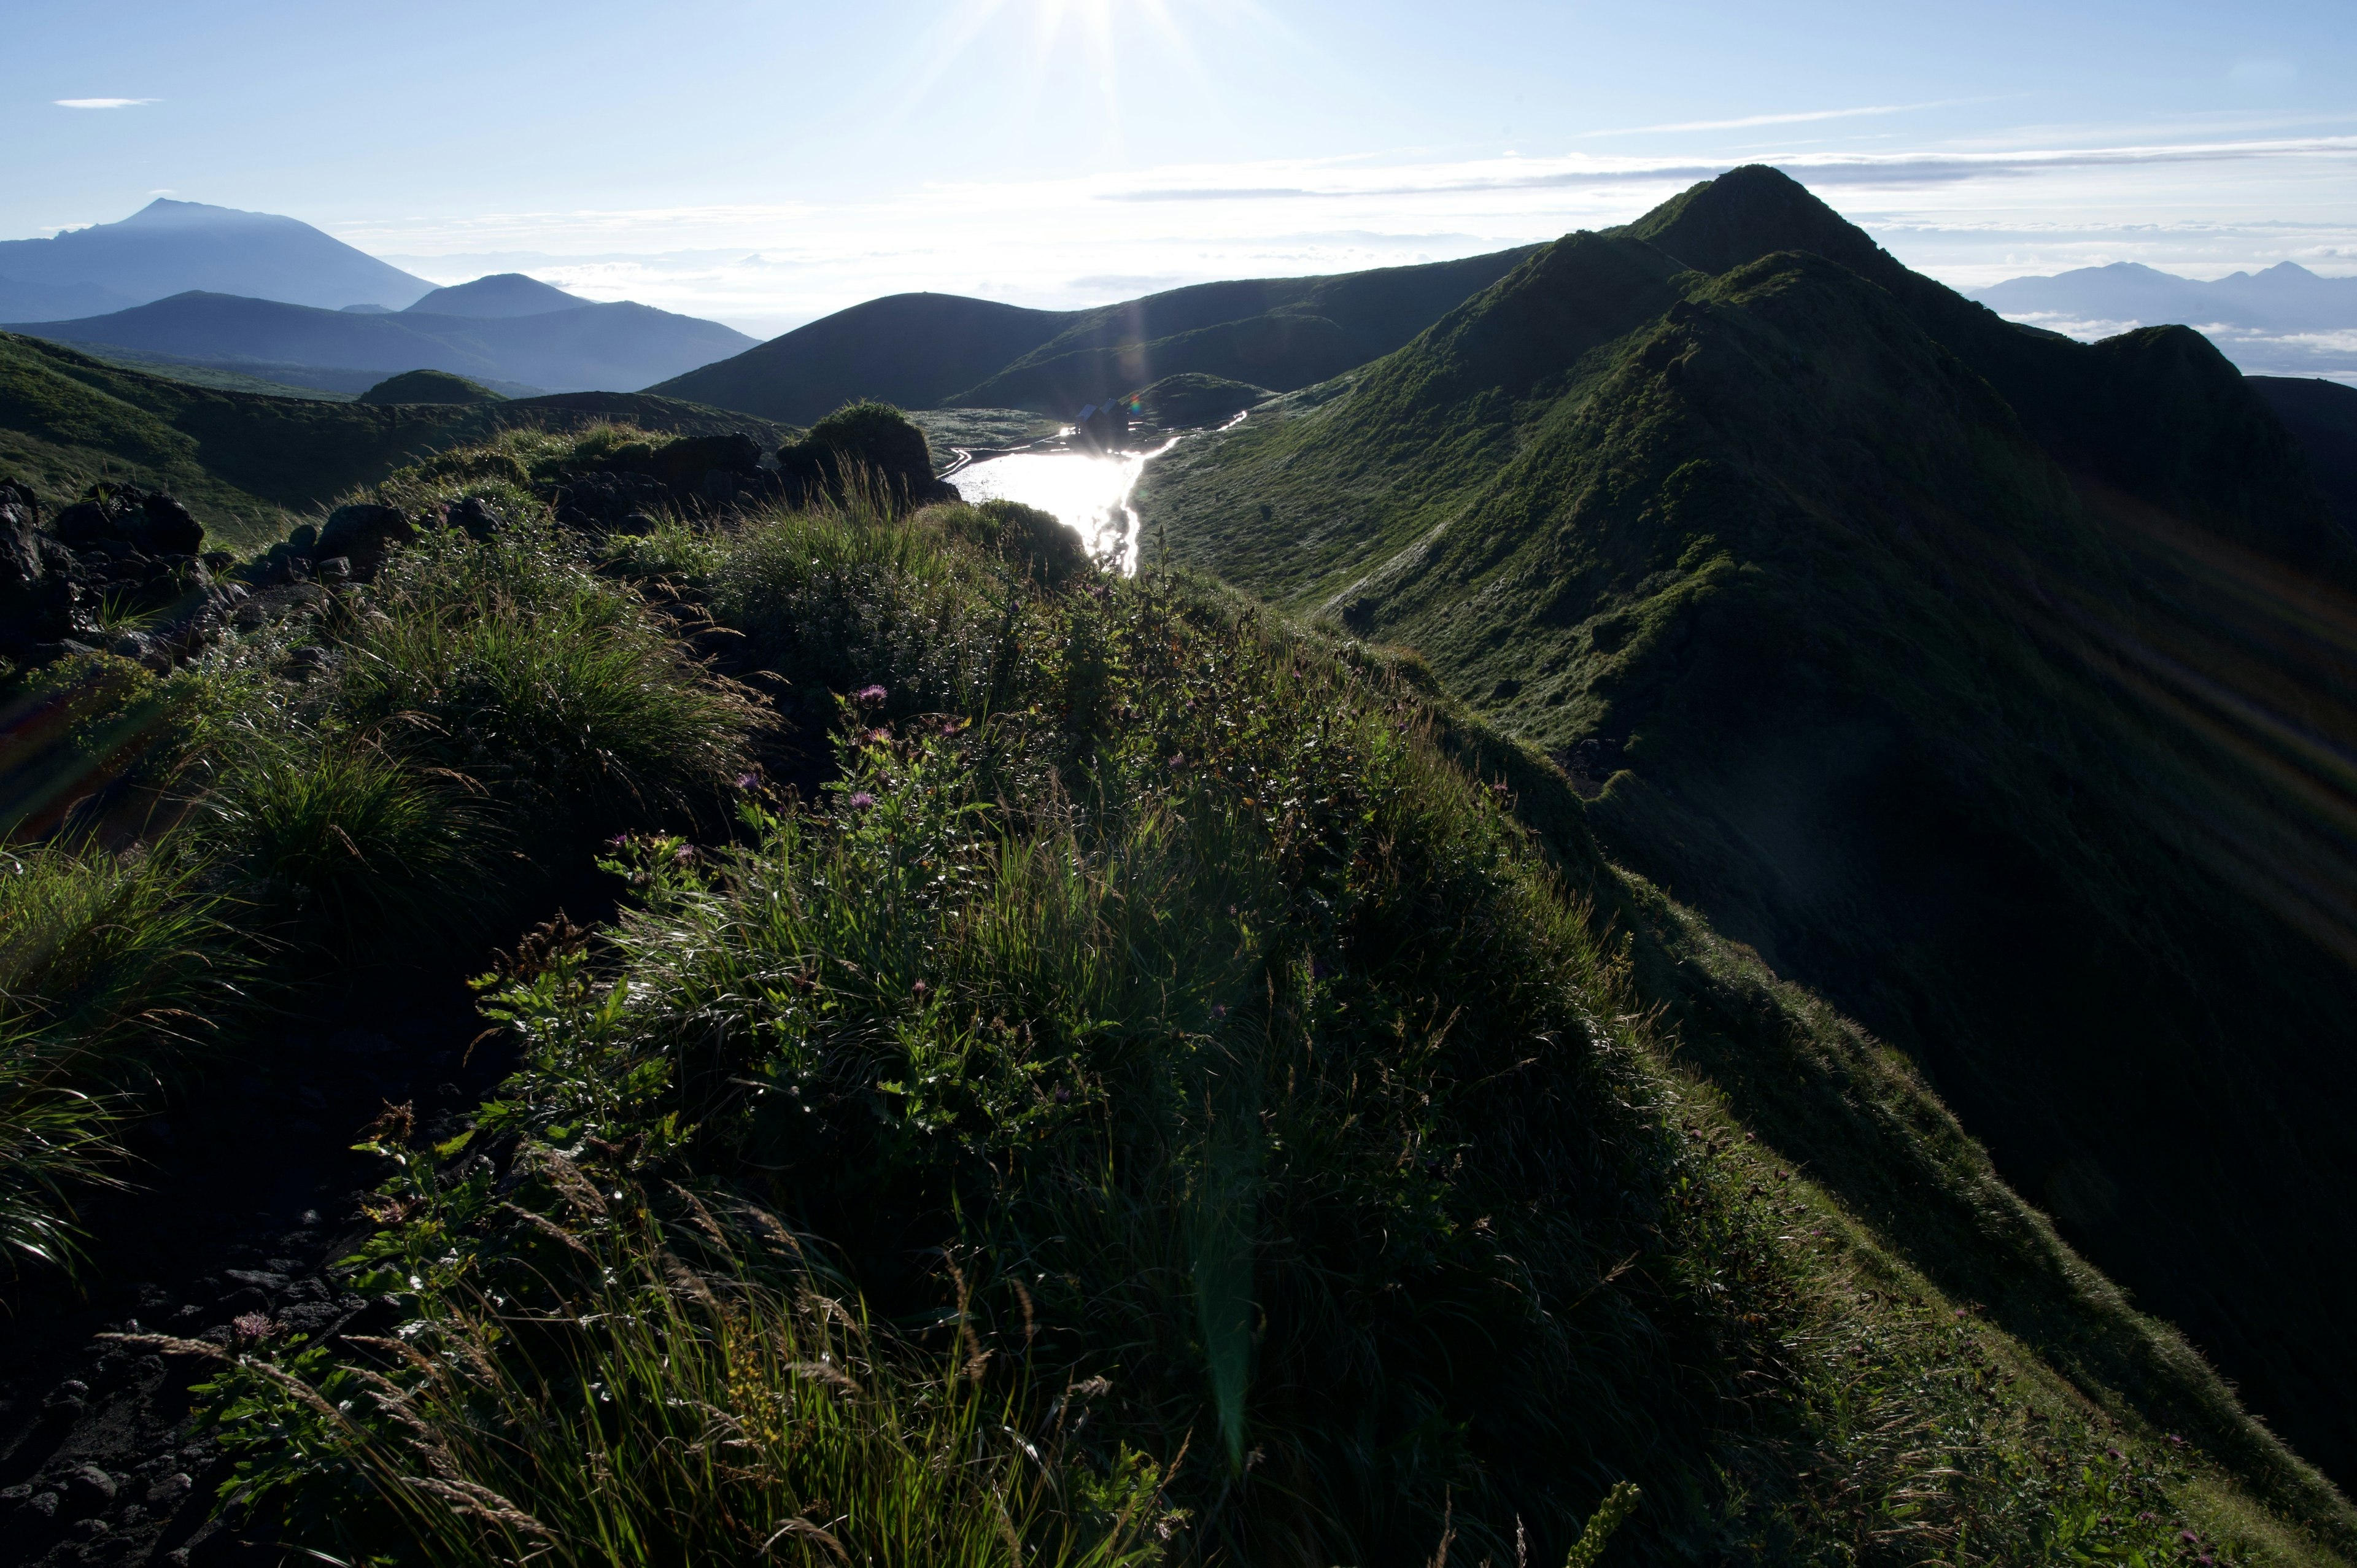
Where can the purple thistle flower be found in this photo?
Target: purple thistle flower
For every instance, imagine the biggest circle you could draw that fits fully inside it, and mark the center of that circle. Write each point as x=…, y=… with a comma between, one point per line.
x=860, y=800
x=868, y=696
x=252, y=1325
x=747, y=780
x=1218, y=1009
x=620, y=841
x=684, y=853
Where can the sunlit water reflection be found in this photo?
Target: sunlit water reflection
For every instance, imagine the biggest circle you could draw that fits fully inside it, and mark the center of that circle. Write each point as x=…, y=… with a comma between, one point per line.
x=1088, y=491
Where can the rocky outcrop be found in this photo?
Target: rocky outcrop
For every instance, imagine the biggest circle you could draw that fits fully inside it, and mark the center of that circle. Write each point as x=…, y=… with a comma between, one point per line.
x=104, y=576
x=150, y=523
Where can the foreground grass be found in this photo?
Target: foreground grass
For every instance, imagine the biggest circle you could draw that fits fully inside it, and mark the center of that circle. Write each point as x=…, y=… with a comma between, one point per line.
x=1151, y=1017
x=1167, y=1097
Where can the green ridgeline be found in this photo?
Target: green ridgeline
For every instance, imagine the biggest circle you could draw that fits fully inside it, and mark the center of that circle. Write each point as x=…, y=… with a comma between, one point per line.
x=1183, y=1092
x=1996, y=687
x=242, y=461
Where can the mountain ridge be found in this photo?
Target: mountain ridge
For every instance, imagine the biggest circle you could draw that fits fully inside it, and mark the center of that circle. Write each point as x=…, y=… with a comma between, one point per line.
x=925, y=350
x=1853, y=610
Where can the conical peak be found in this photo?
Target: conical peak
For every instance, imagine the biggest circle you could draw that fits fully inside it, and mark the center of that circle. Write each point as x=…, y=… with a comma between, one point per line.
x=1750, y=212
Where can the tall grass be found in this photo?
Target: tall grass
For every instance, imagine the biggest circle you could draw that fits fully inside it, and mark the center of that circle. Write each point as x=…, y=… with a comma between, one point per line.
x=652, y=1411
x=508, y=661
x=114, y=970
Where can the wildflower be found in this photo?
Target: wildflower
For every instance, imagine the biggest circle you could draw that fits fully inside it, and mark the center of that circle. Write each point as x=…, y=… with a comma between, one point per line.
x=2188, y=1537
x=684, y=853
x=747, y=780
x=860, y=800
x=919, y=988
x=1218, y=1009
x=1180, y=760
x=252, y=1325
x=869, y=696
x=620, y=841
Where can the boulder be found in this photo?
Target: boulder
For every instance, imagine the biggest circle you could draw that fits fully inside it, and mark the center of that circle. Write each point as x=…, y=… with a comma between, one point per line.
x=477, y=516
x=603, y=501
x=148, y=522
x=362, y=534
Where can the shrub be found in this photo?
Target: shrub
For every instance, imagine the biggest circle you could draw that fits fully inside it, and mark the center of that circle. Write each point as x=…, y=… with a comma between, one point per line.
x=507, y=661
x=354, y=845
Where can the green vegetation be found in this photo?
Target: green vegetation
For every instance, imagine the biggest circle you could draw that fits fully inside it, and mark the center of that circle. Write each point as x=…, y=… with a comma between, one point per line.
x=1177, y=1087
x=1171, y=1095
x=1911, y=650
x=242, y=463
x=429, y=386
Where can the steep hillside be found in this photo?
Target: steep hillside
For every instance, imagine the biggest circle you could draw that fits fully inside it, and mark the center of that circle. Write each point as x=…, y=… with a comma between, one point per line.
x=933, y=351
x=614, y=348
x=1914, y=650
x=916, y=350
x=172, y=247
x=239, y=460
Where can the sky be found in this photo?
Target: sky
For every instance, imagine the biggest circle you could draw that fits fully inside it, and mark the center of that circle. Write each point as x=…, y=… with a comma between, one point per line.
x=764, y=164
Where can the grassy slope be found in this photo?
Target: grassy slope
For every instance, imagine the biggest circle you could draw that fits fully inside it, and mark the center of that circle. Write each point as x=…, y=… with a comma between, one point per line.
x=1429, y=1030
x=241, y=461
x=1900, y=684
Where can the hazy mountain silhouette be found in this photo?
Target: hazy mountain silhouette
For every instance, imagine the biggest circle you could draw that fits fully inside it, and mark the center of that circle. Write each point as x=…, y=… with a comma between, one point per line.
x=2268, y=320
x=172, y=247
x=615, y=347
x=1916, y=649
x=501, y=294
x=926, y=350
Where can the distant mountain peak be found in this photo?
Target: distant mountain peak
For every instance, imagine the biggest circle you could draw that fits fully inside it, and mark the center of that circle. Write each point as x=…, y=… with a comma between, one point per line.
x=169, y=247
x=498, y=295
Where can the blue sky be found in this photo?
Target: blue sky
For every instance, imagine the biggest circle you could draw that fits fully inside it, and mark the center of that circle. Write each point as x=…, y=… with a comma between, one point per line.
x=766, y=162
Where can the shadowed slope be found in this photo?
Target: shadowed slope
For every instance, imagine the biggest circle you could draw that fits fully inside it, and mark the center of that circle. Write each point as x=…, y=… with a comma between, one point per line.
x=1993, y=684
x=915, y=350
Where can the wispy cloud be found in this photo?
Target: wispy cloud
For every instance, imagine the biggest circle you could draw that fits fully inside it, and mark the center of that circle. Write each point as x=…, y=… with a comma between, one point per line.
x=103, y=102
x=1800, y=117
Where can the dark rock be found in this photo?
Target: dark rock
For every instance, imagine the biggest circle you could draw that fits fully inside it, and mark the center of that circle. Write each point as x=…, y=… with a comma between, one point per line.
x=42, y=1506
x=335, y=569
x=238, y=1303
x=168, y=1492
x=83, y=524
x=88, y=1489
x=607, y=501
x=362, y=534
x=89, y=1530
x=477, y=516
x=169, y=528
x=257, y=1278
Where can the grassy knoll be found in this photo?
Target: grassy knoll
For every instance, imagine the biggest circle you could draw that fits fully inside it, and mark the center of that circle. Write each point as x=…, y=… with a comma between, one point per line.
x=1173, y=1088
x=1909, y=650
